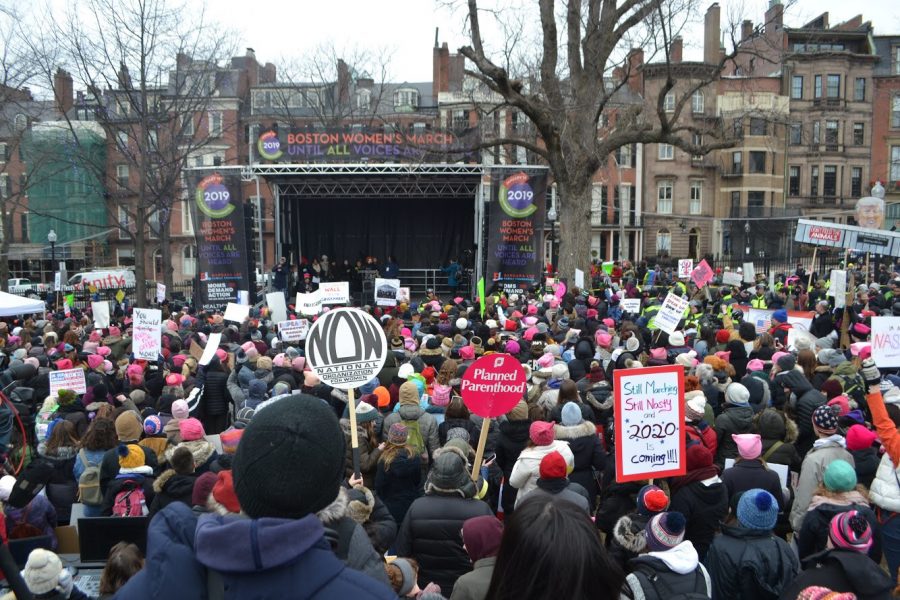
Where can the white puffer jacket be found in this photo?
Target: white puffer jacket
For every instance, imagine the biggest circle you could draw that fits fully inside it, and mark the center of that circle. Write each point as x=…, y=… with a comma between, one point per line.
x=885, y=490
x=527, y=469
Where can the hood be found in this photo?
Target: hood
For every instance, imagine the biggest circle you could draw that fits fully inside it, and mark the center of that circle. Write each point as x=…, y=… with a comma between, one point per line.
x=682, y=558
x=236, y=544
x=200, y=449
x=336, y=510
x=868, y=580
x=62, y=454
x=517, y=431
x=584, y=350
x=410, y=413
x=846, y=369
x=772, y=425
x=571, y=432
x=629, y=533
x=174, y=484
x=795, y=380
x=835, y=504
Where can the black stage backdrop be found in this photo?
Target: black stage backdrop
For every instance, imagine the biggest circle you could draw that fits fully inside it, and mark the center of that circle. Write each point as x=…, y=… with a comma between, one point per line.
x=418, y=233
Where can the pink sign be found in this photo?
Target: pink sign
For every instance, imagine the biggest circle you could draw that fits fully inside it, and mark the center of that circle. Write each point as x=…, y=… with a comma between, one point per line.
x=493, y=385
x=702, y=274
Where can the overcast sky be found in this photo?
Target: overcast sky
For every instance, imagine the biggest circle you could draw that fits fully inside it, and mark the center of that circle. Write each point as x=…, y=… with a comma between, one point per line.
x=284, y=29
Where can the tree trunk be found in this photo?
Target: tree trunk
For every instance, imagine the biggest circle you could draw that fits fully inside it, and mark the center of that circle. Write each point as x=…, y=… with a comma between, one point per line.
x=168, y=271
x=574, y=207
x=140, y=244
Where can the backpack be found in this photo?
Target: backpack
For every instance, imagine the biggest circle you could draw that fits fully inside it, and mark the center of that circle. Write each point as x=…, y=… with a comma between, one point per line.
x=130, y=501
x=414, y=438
x=89, y=492
x=663, y=583
x=23, y=529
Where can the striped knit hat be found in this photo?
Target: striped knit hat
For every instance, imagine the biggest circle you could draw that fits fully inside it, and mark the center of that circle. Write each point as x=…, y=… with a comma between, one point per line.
x=665, y=531
x=850, y=531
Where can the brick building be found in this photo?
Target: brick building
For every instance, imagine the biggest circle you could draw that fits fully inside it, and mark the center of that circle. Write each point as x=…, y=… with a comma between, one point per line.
x=886, y=123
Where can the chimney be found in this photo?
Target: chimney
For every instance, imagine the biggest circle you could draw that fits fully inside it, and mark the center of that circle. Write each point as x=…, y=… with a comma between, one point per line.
x=269, y=73
x=774, y=16
x=711, y=32
x=182, y=61
x=62, y=91
x=676, y=50
x=343, y=82
x=635, y=70
x=124, y=77
x=440, y=68
x=746, y=30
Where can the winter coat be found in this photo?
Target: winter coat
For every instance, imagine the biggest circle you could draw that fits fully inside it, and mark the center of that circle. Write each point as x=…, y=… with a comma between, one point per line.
x=750, y=564
x=512, y=440
x=430, y=533
x=774, y=427
x=474, y=585
x=428, y=427
x=842, y=571
x=812, y=472
x=237, y=393
x=681, y=560
x=527, y=469
x=92, y=456
x=62, y=488
x=399, y=485
x=368, y=453
x=170, y=487
x=216, y=400
x=803, y=409
x=266, y=558
x=866, y=461
x=204, y=454
x=466, y=424
x=109, y=466
x=38, y=513
x=142, y=477
x=361, y=555
x=749, y=474
x=734, y=419
x=813, y=534
x=704, y=504
x=885, y=489
x=559, y=489
x=588, y=455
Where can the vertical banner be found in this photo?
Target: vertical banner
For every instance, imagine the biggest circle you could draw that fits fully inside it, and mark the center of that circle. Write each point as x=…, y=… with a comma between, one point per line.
x=146, y=341
x=222, y=248
x=515, y=231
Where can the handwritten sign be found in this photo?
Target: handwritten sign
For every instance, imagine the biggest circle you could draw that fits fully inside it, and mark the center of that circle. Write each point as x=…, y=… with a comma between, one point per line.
x=277, y=307
x=731, y=278
x=886, y=341
x=309, y=304
x=293, y=331
x=838, y=287
x=146, y=340
x=631, y=305
x=702, y=274
x=335, y=292
x=236, y=312
x=101, y=314
x=649, y=409
x=671, y=313
x=761, y=319
x=160, y=292
x=749, y=272
x=212, y=344
x=685, y=267
x=67, y=379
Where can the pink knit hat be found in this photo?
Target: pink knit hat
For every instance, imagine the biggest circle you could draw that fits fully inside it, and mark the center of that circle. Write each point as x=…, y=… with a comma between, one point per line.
x=755, y=365
x=180, y=409
x=530, y=321
x=467, y=353
x=541, y=433
x=603, y=339
x=530, y=333
x=441, y=395
x=298, y=364
x=221, y=354
x=94, y=361
x=115, y=331
x=545, y=361
x=278, y=361
x=749, y=445
x=94, y=337
x=104, y=351
x=532, y=309
x=842, y=402
x=133, y=370
x=610, y=323
x=90, y=347
x=191, y=429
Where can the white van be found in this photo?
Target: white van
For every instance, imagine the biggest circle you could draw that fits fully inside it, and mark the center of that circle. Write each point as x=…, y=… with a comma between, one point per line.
x=103, y=279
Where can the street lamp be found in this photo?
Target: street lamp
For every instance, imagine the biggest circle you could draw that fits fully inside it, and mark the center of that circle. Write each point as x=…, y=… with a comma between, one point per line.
x=747, y=238
x=51, y=237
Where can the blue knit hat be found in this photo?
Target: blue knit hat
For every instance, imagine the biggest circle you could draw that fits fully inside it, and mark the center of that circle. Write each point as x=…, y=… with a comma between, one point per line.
x=757, y=509
x=839, y=476
x=780, y=316
x=571, y=414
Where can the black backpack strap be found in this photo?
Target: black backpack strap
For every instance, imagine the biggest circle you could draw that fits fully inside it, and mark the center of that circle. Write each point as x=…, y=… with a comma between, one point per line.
x=339, y=533
x=215, y=586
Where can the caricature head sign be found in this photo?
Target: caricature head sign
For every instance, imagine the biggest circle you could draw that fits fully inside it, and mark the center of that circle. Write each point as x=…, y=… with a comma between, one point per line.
x=346, y=347
x=517, y=196
x=213, y=197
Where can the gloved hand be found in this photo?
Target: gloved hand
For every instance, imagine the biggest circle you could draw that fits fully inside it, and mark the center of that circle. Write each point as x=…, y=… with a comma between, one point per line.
x=870, y=372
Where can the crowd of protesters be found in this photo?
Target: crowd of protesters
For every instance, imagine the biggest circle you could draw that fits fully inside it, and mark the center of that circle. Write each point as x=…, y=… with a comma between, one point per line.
x=245, y=466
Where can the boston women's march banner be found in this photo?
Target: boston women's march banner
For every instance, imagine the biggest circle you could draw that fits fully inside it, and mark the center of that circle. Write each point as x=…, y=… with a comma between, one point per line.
x=221, y=244
x=515, y=249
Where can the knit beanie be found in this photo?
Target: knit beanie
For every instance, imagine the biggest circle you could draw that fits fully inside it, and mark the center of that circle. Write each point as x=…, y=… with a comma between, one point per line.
x=408, y=576
x=695, y=407
x=757, y=509
x=850, y=531
x=152, y=425
x=839, y=476
x=383, y=395
x=664, y=531
x=398, y=434
x=841, y=404
x=42, y=571
x=180, y=409
x=825, y=420
x=519, y=412
x=859, y=437
x=786, y=361
x=571, y=414
x=737, y=394
x=781, y=316
x=131, y=456
x=203, y=487
x=651, y=500
x=541, y=433
x=223, y=492
x=191, y=430
x=553, y=466
x=749, y=445
x=290, y=462
x=755, y=365
x=129, y=427
x=832, y=388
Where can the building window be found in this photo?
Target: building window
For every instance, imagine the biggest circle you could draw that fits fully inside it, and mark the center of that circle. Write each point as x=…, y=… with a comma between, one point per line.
x=817, y=138
x=363, y=99
x=666, y=152
x=153, y=140
x=796, y=134
x=756, y=202
x=831, y=133
x=4, y=152
x=187, y=125
x=663, y=242
x=737, y=163
x=5, y=186
x=833, y=86
x=122, y=140
x=187, y=220
x=122, y=176
x=26, y=233
x=153, y=224
x=817, y=87
x=895, y=112
x=625, y=203
x=697, y=140
x=215, y=124
x=623, y=156
x=859, y=89
x=406, y=98
x=189, y=261
x=895, y=163
x=797, y=87
x=856, y=182
x=757, y=162
x=735, y=204
x=814, y=181
x=697, y=102
x=696, y=205
x=757, y=126
x=669, y=102
x=794, y=181
x=829, y=181
x=737, y=127
x=859, y=134
x=664, y=197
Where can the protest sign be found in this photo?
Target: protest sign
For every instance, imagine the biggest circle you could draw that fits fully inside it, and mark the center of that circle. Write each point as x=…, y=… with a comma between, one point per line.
x=782, y=470
x=403, y=295
x=631, y=305
x=608, y=267
x=309, y=304
x=685, y=266
x=386, y=291
x=243, y=297
x=732, y=278
x=838, y=287
x=761, y=319
x=212, y=344
x=160, y=292
x=101, y=314
x=57, y=280
x=67, y=379
x=196, y=350
x=293, y=331
x=749, y=272
x=671, y=313
x=886, y=341
x=146, y=333
x=277, y=307
x=346, y=348
x=236, y=312
x=335, y=292
x=702, y=274
x=579, y=278
x=649, y=412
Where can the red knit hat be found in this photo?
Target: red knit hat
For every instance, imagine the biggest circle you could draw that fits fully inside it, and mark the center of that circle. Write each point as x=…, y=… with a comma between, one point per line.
x=223, y=492
x=722, y=336
x=698, y=456
x=553, y=466
x=510, y=325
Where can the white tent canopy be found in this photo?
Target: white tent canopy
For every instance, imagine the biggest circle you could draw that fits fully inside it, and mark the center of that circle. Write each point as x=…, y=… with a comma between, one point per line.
x=12, y=305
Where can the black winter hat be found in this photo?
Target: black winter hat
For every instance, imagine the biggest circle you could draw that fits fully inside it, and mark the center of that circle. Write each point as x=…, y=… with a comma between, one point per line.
x=290, y=461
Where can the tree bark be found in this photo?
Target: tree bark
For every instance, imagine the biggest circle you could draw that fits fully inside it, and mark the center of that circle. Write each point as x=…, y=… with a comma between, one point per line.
x=140, y=245
x=165, y=241
x=574, y=200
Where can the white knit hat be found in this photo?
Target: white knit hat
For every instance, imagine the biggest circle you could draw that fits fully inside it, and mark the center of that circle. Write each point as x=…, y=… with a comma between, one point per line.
x=405, y=371
x=7, y=483
x=42, y=571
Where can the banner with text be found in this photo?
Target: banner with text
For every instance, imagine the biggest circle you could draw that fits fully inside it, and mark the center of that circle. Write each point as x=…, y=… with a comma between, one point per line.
x=293, y=331
x=335, y=292
x=515, y=231
x=67, y=379
x=671, y=313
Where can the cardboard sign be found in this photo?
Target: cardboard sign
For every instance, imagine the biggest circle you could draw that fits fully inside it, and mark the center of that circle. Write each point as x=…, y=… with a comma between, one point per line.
x=886, y=341
x=649, y=412
x=146, y=340
x=346, y=347
x=293, y=331
x=749, y=273
x=631, y=305
x=277, y=307
x=160, y=292
x=493, y=385
x=309, y=304
x=335, y=292
x=671, y=313
x=101, y=314
x=403, y=295
x=196, y=350
x=579, y=278
x=236, y=312
x=761, y=319
x=386, y=291
x=702, y=274
x=212, y=344
x=838, y=287
x=685, y=267
x=67, y=379
x=732, y=278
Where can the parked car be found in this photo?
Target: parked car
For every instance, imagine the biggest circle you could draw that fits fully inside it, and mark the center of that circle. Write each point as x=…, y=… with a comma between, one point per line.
x=23, y=286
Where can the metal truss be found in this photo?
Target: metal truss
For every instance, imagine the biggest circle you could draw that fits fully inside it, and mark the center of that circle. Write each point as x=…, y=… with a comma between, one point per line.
x=369, y=169
x=394, y=187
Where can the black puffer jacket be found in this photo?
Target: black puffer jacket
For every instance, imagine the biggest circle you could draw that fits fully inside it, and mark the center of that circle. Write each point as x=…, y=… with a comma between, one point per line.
x=216, y=399
x=814, y=534
x=734, y=419
x=866, y=463
x=512, y=440
x=588, y=453
x=808, y=400
x=703, y=505
x=774, y=427
x=750, y=564
x=584, y=354
x=170, y=487
x=842, y=571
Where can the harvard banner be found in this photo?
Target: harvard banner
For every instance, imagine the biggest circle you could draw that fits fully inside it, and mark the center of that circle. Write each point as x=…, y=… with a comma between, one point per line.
x=515, y=250
x=221, y=245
